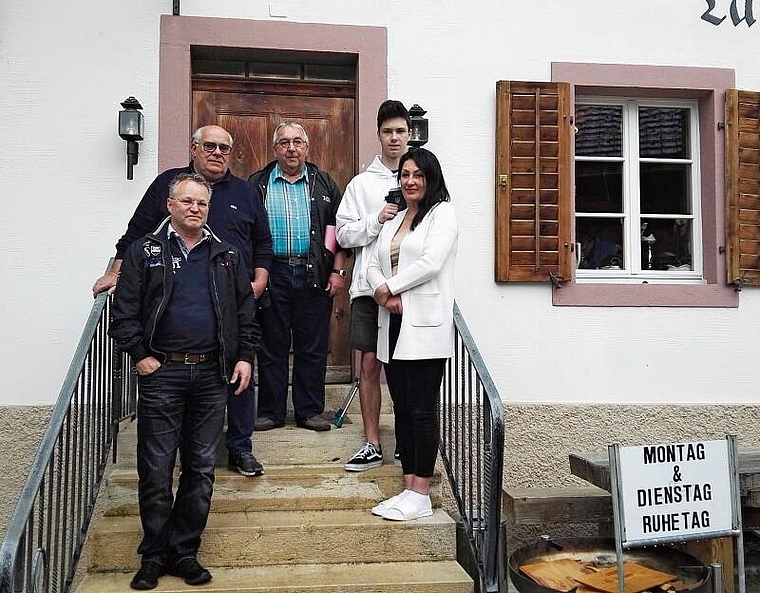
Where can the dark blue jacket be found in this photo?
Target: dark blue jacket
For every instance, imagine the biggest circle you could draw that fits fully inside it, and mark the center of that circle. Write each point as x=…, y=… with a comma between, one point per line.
x=236, y=215
x=144, y=288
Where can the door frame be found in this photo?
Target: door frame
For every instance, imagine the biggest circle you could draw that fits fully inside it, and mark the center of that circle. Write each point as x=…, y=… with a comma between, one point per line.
x=179, y=33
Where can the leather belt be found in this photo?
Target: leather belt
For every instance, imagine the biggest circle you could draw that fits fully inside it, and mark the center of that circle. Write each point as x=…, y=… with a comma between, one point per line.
x=190, y=358
x=293, y=261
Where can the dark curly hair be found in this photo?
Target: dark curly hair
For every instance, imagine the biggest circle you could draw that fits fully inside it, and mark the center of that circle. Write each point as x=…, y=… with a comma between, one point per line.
x=435, y=186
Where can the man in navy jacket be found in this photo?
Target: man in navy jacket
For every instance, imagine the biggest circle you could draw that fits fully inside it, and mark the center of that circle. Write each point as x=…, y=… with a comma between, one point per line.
x=237, y=216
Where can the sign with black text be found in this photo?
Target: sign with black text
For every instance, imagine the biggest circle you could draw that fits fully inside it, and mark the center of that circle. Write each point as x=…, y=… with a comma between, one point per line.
x=675, y=490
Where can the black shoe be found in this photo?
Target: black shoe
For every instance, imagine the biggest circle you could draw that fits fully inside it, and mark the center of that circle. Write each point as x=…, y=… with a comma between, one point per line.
x=369, y=456
x=397, y=457
x=244, y=463
x=147, y=577
x=191, y=570
x=315, y=423
x=263, y=423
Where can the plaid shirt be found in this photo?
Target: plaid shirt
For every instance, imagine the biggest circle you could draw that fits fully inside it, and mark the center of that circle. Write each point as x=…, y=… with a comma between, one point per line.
x=289, y=214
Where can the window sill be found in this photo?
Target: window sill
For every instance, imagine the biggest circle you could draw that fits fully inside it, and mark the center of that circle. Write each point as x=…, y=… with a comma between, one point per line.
x=644, y=295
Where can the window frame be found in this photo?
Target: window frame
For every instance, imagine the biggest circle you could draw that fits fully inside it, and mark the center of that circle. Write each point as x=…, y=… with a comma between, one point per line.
x=631, y=206
x=708, y=87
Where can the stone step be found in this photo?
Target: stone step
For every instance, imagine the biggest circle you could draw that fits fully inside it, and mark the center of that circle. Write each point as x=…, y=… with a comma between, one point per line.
x=288, y=537
x=290, y=445
x=306, y=487
x=336, y=393
x=386, y=577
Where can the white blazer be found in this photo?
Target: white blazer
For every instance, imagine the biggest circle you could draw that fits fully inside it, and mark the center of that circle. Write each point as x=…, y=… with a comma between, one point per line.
x=425, y=281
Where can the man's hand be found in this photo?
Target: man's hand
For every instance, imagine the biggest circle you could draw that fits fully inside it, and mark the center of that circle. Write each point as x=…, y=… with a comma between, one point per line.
x=241, y=375
x=388, y=212
x=147, y=365
x=258, y=288
x=336, y=284
x=106, y=282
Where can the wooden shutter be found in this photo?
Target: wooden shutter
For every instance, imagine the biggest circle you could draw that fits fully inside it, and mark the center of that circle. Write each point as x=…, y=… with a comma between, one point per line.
x=743, y=187
x=533, y=191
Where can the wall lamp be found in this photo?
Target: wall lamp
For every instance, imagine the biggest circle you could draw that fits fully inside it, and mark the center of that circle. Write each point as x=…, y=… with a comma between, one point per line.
x=419, y=132
x=131, y=126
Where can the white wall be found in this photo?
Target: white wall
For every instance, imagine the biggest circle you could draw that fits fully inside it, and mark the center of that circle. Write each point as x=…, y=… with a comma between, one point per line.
x=65, y=66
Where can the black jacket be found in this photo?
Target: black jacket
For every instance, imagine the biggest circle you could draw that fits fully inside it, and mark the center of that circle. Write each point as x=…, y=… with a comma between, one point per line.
x=145, y=285
x=325, y=198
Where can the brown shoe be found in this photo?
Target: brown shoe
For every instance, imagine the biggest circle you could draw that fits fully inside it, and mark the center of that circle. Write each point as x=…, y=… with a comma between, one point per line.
x=315, y=423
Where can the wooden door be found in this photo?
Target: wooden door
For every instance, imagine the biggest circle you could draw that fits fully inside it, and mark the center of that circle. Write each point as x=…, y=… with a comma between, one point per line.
x=251, y=118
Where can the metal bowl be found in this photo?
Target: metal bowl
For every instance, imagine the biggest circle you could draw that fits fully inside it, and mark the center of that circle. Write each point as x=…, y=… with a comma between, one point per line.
x=601, y=551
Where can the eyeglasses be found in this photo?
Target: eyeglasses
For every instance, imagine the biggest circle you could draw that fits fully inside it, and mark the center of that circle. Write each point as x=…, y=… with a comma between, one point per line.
x=296, y=142
x=187, y=202
x=212, y=146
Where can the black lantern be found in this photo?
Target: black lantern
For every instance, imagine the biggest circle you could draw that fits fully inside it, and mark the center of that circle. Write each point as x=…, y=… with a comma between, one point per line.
x=131, y=125
x=419, y=132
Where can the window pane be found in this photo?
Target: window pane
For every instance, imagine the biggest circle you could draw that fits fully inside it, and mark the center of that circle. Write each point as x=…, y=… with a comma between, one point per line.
x=600, y=243
x=598, y=187
x=600, y=130
x=665, y=188
x=664, y=133
x=666, y=244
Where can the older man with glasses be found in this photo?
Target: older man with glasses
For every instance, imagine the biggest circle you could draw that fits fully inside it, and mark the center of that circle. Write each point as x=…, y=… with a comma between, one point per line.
x=301, y=202
x=236, y=215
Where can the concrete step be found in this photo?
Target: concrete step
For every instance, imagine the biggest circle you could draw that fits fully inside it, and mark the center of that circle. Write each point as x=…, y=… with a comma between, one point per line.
x=289, y=537
x=388, y=577
x=305, y=487
x=290, y=445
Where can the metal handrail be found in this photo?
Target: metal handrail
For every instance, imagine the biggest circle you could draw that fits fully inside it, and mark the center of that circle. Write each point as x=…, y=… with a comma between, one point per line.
x=472, y=451
x=46, y=532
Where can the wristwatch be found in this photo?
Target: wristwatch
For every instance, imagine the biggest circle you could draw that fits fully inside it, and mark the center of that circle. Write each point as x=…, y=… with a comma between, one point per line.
x=341, y=273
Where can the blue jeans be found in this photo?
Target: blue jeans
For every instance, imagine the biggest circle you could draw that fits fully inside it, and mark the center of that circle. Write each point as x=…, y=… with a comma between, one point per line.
x=303, y=312
x=180, y=407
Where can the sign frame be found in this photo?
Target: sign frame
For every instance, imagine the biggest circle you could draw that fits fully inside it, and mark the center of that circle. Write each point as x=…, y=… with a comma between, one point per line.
x=621, y=477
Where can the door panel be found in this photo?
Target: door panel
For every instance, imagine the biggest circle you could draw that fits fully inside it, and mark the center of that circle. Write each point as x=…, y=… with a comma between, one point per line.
x=251, y=118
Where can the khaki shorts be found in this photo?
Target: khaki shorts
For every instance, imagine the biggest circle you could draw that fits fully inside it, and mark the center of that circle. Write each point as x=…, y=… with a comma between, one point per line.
x=363, y=329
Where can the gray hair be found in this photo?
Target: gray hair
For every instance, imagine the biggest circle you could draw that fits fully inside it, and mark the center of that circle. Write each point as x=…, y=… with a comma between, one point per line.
x=290, y=124
x=196, y=137
x=195, y=177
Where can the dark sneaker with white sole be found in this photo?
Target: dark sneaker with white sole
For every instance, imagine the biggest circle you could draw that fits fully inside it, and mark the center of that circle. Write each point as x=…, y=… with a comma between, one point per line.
x=367, y=457
x=245, y=464
x=397, y=457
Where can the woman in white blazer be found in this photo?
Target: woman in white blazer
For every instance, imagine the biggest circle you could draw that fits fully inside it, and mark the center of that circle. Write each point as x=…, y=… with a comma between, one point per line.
x=411, y=272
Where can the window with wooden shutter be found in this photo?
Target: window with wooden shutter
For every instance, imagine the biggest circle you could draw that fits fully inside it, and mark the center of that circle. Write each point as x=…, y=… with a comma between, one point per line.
x=743, y=187
x=533, y=189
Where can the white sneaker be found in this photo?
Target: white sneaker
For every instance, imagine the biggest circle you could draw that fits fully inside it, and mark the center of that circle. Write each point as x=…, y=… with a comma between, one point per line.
x=410, y=507
x=380, y=508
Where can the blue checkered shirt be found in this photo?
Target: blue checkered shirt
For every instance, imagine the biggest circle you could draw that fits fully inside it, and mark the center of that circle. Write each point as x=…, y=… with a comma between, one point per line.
x=289, y=214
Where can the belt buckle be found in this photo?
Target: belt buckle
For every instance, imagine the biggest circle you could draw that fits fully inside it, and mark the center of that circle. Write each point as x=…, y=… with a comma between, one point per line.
x=294, y=261
x=187, y=358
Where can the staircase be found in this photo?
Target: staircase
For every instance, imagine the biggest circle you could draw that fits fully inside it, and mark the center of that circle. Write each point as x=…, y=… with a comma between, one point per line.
x=304, y=525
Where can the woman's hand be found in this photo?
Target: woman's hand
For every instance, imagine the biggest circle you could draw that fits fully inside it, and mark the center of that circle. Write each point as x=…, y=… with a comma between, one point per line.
x=382, y=294
x=393, y=304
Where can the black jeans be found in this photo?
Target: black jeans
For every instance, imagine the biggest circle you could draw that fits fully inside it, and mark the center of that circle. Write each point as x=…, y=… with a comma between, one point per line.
x=415, y=387
x=180, y=406
x=241, y=412
x=303, y=312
